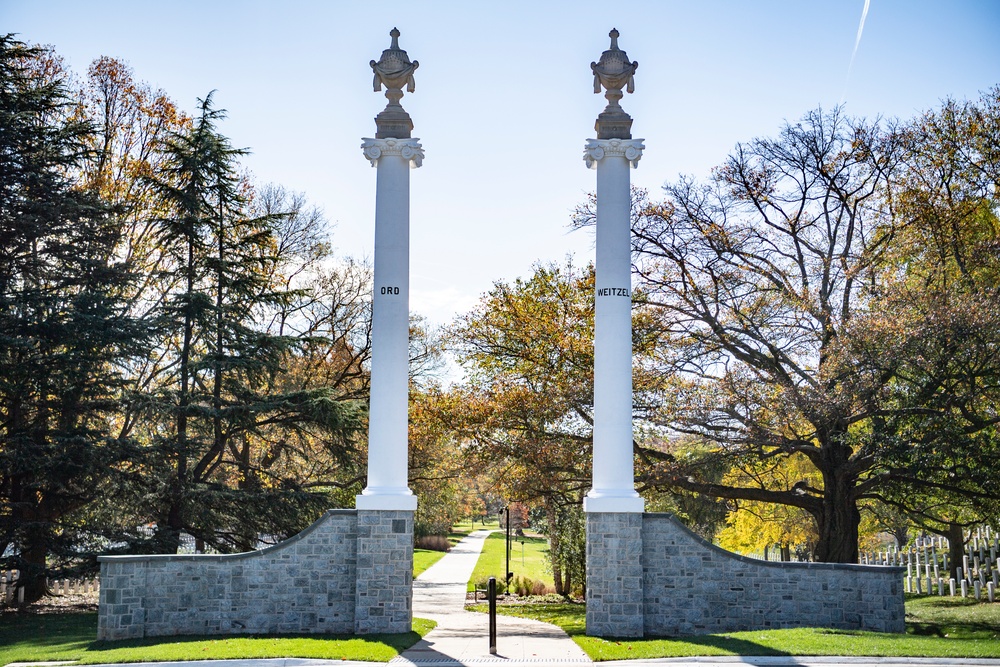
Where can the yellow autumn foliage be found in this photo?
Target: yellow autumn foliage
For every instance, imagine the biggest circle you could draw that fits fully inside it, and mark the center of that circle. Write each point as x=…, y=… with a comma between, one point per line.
x=754, y=526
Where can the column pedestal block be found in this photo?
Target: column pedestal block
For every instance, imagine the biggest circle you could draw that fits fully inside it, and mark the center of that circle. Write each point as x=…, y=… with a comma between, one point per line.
x=384, y=594
x=614, y=574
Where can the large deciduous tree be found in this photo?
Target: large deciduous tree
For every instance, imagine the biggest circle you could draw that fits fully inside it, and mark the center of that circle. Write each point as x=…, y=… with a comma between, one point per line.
x=779, y=287
x=942, y=409
x=525, y=413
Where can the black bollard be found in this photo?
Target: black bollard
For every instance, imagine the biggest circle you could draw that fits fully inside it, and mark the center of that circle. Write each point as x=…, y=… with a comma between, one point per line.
x=492, y=594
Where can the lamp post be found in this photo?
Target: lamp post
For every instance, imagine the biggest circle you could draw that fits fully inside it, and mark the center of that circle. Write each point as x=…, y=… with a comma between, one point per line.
x=509, y=574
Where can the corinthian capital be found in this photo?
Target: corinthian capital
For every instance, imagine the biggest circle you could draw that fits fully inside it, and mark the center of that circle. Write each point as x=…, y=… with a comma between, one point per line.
x=598, y=149
x=409, y=149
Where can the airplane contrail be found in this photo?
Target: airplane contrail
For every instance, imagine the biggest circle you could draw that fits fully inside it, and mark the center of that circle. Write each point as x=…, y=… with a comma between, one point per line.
x=857, y=43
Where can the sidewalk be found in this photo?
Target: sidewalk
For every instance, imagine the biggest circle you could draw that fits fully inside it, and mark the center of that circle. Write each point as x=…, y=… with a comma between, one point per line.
x=462, y=637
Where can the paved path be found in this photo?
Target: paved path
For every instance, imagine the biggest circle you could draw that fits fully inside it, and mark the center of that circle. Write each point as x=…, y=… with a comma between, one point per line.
x=462, y=637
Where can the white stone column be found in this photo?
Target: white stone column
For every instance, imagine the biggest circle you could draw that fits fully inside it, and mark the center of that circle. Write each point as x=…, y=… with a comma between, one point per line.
x=388, y=441
x=615, y=592
x=613, y=472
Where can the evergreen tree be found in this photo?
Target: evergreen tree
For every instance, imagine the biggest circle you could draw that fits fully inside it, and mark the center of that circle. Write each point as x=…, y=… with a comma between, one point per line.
x=226, y=405
x=63, y=333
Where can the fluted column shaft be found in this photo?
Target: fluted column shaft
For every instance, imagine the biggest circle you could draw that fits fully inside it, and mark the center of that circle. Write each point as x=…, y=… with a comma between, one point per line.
x=387, y=487
x=613, y=474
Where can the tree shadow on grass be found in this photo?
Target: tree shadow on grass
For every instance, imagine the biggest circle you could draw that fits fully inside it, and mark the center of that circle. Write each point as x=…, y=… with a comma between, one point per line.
x=953, y=630
x=44, y=630
x=730, y=644
x=72, y=636
x=691, y=645
x=399, y=641
x=951, y=618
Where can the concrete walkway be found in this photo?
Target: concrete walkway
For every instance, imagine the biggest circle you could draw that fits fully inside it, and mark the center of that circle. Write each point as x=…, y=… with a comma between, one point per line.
x=462, y=637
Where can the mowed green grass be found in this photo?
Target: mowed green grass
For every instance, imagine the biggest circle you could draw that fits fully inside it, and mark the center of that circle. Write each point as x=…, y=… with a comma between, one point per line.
x=468, y=526
x=492, y=561
x=936, y=627
x=41, y=637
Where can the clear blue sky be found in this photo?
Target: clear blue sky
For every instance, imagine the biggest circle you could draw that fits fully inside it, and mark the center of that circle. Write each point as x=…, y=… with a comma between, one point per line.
x=504, y=98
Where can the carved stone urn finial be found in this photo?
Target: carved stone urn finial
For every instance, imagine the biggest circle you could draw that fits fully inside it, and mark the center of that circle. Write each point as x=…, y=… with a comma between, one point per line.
x=394, y=70
x=614, y=72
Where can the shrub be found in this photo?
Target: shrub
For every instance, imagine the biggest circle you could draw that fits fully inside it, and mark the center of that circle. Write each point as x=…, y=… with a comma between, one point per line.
x=483, y=584
x=432, y=542
x=524, y=586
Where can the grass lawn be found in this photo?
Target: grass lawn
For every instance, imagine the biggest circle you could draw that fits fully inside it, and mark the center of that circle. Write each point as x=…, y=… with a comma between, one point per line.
x=535, y=561
x=935, y=627
x=466, y=526
x=37, y=637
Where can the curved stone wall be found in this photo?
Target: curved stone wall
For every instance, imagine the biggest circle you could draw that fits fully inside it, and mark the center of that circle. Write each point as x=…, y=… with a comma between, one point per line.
x=693, y=587
x=350, y=571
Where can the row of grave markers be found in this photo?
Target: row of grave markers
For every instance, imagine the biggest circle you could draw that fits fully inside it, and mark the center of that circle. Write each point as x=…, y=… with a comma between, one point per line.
x=927, y=565
x=9, y=588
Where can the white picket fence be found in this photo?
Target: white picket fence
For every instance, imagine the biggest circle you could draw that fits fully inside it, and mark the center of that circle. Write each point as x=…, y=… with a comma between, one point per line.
x=928, y=569
x=9, y=588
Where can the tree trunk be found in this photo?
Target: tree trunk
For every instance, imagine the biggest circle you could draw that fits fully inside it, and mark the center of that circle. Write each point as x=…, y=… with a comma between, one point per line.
x=838, y=525
x=557, y=578
x=167, y=538
x=837, y=518
x=33, y=569
x=168, y=535
x=956, y=548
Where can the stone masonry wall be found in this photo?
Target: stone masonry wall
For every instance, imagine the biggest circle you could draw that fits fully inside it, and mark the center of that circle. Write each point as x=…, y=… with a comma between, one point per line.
x=614, y=574
x=693, y=587
x=384, y=592
x=306, y=584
